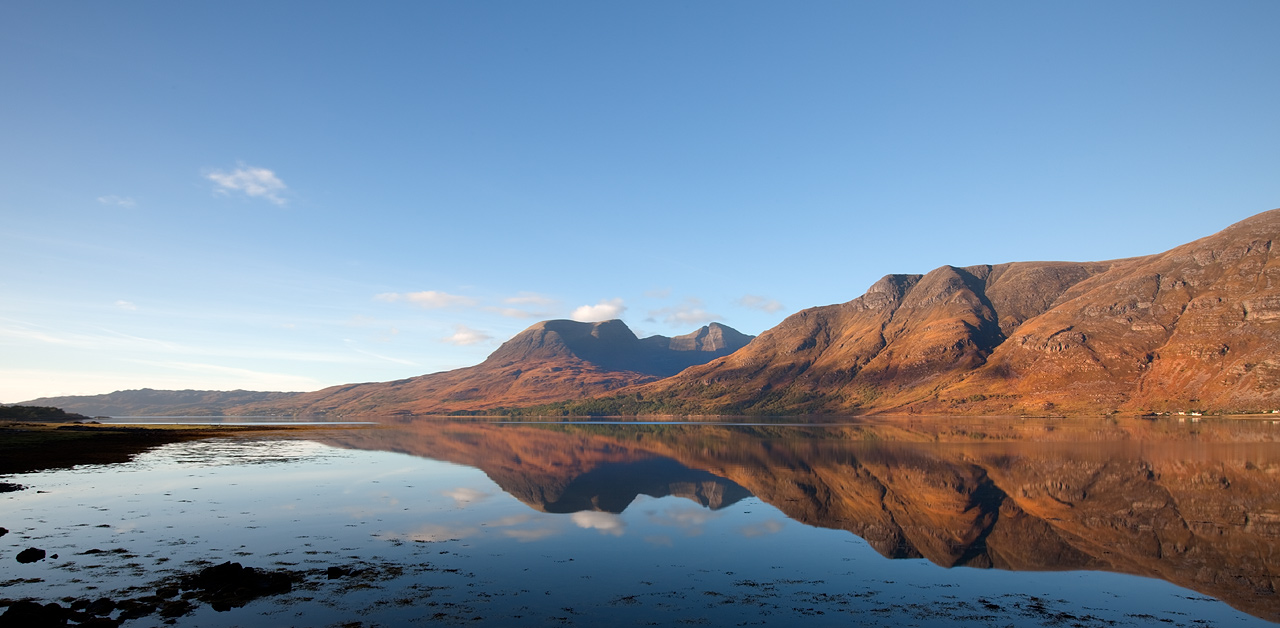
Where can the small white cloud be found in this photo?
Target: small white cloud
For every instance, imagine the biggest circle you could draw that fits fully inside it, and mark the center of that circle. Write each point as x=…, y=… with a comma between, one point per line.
x=427, y=299
x=691, y=312
x=764, y=304
x=253, y=182
x=126, y=305
x=465, y=495
x=606, y=523
x=604, y=310
x=463, y=335
x=119, y=201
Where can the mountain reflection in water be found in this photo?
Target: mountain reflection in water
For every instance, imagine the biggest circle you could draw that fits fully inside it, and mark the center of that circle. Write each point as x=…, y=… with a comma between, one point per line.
x=1197, y=505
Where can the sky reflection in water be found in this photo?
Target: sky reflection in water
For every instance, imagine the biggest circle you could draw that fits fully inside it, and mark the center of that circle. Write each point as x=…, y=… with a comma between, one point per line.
x=539, y=525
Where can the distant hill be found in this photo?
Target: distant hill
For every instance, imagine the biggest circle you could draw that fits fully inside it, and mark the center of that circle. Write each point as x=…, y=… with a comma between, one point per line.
x=37, y=413
x=1194, y=328
x=550, y=361
x=148, y=402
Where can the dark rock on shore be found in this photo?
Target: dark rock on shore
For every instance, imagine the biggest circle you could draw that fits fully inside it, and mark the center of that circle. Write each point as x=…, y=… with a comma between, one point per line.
x=26, y=614
x=31, y=555
x=225, y=586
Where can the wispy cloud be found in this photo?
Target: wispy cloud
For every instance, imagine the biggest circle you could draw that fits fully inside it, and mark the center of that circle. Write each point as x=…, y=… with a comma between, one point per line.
x=250, y=181
x=432, y=533
x=427, y=299
x=764, y=304
x=465, y=495
x=690, y=519
x=463, y=335
x=220, y=377
x=606, y=309
x=351, y=344
x=512, y=312
x=529, y=305
x=690, y=312
x=126, y=305
x=118, y=201
x=528, y=536
x=106, y=339
x=658, y=293
x=763, y=528
x=531, y=298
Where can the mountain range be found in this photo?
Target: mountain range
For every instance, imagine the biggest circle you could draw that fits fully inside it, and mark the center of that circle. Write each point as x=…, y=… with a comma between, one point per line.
x=1196, y=328
x=550, y=361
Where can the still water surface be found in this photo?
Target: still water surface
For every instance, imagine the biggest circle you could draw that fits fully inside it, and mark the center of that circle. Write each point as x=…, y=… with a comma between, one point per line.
x=887, y=522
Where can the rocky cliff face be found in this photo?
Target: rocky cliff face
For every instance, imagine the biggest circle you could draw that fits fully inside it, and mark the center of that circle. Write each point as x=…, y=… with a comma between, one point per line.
x=1197, y=327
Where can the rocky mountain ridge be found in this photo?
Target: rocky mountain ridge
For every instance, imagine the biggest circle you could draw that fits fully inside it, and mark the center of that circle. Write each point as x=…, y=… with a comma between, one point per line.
x=1194, y=328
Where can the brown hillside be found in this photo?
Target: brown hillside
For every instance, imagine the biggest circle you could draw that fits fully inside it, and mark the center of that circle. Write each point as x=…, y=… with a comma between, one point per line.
x=550, y=361
x=1195, y=327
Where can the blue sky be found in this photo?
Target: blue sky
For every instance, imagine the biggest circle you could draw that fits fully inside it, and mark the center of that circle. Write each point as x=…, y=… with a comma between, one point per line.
x=290, y=195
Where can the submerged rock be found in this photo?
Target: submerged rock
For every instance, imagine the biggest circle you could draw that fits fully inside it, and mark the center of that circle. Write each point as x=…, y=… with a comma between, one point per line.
x=101, y=606
x=231, y=585
x=27, y=614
